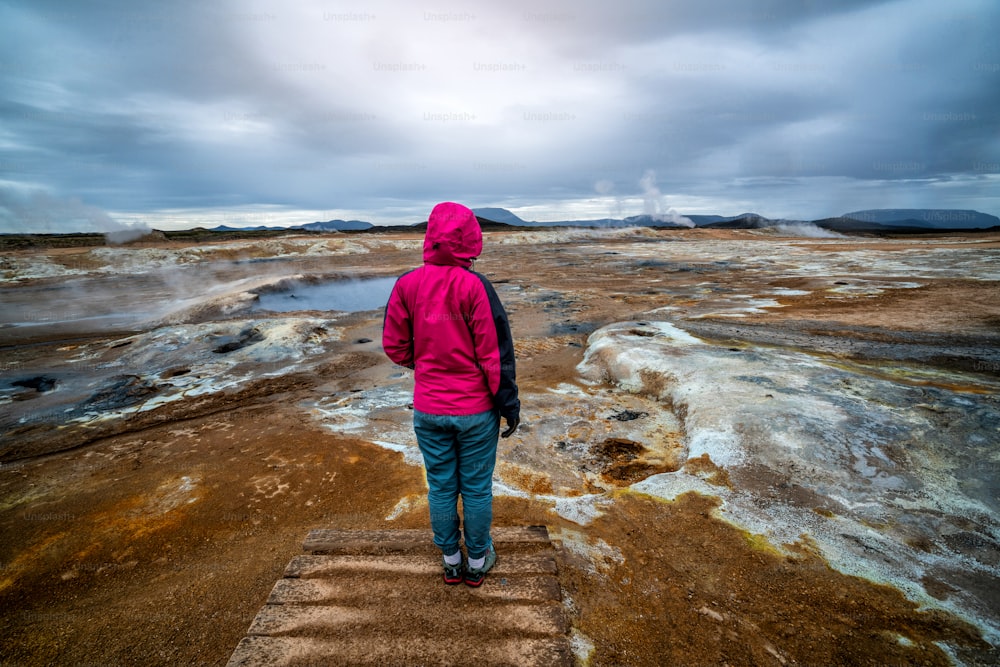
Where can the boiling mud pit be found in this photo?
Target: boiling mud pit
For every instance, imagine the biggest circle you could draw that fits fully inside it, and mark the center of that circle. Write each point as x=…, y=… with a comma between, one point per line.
x=749, y=449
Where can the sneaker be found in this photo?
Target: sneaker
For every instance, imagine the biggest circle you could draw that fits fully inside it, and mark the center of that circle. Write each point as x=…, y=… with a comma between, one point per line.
x=453, y=574
x=475, y=577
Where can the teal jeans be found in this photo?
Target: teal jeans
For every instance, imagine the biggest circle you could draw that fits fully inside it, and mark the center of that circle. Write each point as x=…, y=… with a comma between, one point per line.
x=460, y=452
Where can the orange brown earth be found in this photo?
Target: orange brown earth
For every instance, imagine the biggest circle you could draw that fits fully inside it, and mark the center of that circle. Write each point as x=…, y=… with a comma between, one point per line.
x=749, y=449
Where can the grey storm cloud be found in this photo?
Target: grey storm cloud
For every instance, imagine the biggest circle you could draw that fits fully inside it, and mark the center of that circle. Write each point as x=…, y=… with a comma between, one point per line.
x=792, y=108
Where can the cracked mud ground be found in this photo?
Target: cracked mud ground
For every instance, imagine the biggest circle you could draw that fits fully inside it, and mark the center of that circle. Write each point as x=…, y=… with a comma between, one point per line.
x=153, y=537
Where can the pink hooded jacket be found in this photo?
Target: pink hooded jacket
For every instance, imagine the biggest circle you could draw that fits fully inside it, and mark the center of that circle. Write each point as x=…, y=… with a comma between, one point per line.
x=446, y=322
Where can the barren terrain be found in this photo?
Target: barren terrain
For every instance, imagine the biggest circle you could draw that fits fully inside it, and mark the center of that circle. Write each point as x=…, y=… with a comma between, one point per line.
x=750, y=449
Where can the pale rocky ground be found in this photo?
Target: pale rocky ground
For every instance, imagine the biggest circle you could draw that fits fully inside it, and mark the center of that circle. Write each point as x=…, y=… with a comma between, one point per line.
x=751, y=449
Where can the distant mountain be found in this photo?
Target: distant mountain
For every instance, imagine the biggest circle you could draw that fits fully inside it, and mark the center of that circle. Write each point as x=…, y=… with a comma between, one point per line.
x=702, y=220
x=842, y=224
x=646, y=220
x=504, y=216
x=926, y=217
x=328, y=226
x=336, y=226
x=499, y=215
x=910, y=220
x=600, y=222
x=848, y=224
x=258, y=228
x=742, y=221
x=877, y=220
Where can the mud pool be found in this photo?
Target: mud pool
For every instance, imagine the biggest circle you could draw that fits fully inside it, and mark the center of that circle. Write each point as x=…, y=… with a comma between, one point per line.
x=832, y=403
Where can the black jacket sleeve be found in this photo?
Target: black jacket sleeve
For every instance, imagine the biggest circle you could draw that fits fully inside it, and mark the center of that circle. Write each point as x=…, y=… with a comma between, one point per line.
x=505, y=400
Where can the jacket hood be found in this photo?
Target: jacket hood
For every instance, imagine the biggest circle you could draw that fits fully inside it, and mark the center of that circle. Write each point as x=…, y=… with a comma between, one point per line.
x=453, y=236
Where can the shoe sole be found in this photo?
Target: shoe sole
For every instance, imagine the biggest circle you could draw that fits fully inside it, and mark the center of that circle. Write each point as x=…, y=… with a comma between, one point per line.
x=452, y=582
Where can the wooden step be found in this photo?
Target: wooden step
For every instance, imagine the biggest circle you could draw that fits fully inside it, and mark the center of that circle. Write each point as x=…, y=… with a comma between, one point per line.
x=518, y=618
x=311, y=566
x=369, y=597
x=336, y=652
x=319, y=591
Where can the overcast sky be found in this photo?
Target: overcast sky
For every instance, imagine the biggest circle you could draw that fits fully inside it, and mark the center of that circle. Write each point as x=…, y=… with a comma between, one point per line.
x=175, y=114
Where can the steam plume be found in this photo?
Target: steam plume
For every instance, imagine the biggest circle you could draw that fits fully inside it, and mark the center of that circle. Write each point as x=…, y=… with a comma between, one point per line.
x=41, y=212
x=653, y=203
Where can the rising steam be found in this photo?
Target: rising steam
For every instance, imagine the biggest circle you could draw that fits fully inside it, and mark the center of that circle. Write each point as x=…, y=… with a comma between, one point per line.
x=40, y=212
x=654, y=204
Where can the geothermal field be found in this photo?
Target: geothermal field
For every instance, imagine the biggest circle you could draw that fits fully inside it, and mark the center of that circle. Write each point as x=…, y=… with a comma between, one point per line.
x=749, y=448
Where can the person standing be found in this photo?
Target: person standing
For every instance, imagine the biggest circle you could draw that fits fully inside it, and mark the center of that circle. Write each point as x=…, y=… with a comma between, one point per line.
x=446, y=323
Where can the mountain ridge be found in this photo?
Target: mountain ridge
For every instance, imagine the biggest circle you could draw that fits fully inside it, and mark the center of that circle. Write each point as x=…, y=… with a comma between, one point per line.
x=870, y=220
x=927, y=217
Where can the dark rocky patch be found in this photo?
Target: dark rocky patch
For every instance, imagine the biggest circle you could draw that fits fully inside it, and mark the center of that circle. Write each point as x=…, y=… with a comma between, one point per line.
x=40, y=383
x=628, y=415
x=246, y=338
x=569, y=327
x=126, y=390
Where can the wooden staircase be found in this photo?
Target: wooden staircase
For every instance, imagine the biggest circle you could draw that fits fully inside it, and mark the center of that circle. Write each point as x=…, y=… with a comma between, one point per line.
x=376, y=597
